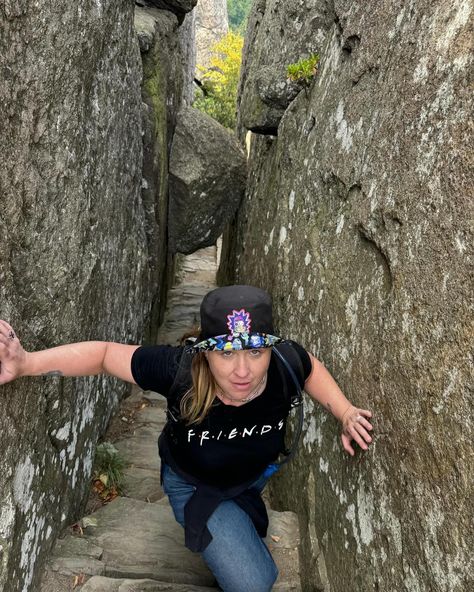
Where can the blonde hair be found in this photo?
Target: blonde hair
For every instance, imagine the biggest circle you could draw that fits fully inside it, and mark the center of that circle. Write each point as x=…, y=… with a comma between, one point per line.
x=197, y=401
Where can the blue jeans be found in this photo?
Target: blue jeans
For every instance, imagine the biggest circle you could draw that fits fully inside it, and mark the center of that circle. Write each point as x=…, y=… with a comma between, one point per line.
x=237, y=556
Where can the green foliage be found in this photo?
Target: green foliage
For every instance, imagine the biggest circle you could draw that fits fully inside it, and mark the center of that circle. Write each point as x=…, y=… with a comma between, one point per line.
x=108, y=467
x=304, y=70
x=238, y=11
x=221, y=79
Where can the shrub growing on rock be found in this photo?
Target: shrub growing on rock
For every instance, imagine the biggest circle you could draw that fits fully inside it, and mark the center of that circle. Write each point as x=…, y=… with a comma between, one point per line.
x=304, y=70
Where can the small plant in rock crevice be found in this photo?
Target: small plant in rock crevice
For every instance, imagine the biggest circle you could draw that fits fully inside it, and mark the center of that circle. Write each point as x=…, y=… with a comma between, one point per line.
x=304, y=70
x=107, y=473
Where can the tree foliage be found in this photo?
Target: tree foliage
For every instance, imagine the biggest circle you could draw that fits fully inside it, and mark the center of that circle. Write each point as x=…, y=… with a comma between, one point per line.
x=238, y=11
x=221, y=79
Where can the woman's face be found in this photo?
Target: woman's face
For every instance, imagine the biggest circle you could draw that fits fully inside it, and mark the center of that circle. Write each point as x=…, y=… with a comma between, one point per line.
x=239, y=373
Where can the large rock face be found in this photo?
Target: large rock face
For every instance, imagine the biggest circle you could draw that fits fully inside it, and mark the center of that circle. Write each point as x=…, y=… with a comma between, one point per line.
x=211, y=25
x=299, y=28
x=358, y=220
x=82, y=248
x=70, y=175
x=207, y=181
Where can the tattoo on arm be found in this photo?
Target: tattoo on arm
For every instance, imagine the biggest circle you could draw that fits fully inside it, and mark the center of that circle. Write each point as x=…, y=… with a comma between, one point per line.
x=53, y=373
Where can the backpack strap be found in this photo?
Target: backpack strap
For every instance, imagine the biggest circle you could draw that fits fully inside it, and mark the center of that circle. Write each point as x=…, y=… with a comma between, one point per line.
x=181, y=383
x=291, y=361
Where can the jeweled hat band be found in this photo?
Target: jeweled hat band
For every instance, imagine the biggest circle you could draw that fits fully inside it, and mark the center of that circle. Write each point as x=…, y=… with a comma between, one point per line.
x=238, y=341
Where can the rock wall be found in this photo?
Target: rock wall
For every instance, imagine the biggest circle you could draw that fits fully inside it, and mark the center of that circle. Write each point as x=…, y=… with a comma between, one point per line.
x=358, y=220
x=211, y=24
x=168, y=54
x=82, y=248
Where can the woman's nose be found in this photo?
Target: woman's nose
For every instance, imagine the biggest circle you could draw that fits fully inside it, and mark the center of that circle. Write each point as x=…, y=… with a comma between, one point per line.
x=241, y=367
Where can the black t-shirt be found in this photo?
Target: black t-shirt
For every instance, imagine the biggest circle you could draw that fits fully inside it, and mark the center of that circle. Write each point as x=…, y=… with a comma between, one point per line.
x=232, y=444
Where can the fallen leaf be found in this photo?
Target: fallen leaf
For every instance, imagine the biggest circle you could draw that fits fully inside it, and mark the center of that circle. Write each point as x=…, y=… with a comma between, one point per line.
x=79, y=580
x=77, y=528
x=99, y=486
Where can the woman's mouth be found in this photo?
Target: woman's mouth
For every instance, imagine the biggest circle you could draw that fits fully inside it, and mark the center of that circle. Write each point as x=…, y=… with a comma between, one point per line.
x=241, y=386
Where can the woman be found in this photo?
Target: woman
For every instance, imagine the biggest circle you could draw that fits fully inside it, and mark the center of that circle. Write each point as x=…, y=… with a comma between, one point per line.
x=228, y=401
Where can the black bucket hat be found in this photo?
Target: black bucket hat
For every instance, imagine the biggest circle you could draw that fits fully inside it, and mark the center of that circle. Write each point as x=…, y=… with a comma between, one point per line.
x=234, y=318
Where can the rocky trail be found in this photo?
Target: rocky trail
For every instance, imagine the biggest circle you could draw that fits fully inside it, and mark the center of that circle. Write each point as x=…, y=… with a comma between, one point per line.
x=133, y=544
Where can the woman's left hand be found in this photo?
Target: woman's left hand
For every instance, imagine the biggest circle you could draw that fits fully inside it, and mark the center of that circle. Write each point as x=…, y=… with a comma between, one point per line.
x=355, y=426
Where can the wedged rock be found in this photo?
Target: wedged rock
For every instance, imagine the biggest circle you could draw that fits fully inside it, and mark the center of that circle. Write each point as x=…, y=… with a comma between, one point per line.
x=298, y=29
x=207, y=180
x=102, y=584
x=178, y=7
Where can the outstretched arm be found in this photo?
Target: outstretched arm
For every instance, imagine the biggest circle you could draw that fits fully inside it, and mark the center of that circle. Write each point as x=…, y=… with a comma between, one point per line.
x=86, y=358
x=322, y=387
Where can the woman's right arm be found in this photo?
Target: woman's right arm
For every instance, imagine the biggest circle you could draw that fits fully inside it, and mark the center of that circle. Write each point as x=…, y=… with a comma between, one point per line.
x=86, y=358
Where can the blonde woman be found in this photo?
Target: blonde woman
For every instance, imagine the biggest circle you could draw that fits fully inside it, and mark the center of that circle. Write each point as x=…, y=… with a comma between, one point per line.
x=229, y=395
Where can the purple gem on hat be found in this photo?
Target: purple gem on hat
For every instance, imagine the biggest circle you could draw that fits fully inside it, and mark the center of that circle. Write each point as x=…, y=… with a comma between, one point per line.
x=239, y=321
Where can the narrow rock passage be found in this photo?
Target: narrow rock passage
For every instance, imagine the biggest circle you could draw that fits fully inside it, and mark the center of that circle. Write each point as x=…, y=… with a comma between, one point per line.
x=135, y=544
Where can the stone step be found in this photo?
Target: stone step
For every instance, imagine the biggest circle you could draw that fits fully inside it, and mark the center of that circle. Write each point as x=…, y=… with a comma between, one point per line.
x=135, y=540
x=101, y=584
x=195, y=277
x=132, y=539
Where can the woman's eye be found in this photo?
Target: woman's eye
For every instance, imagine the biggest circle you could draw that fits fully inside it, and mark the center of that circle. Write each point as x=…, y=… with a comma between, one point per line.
x=255, y=352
